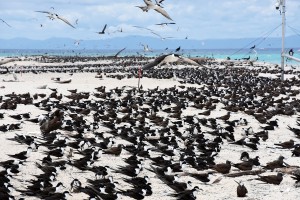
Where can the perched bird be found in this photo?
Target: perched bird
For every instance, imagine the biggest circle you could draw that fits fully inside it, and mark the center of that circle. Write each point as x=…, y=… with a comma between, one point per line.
x=296, y=177
x=286, y=145
x=53, y=16
x=114, y=150
x=22, y=155
x=275, y=164
x=271, y=179
x=187, y=194
x=246, y=165
x=223, y=168
x=241, y=190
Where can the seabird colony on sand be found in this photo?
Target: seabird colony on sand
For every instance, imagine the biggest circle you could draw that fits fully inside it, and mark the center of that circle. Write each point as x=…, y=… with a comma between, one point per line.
x=158, y=138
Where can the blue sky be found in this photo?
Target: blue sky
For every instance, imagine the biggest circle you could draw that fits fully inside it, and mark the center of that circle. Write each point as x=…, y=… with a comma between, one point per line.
x=195, y=19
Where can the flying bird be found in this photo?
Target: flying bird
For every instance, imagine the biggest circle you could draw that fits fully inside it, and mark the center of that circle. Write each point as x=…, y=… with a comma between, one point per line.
x=5, y=22
x=140, y=27
x=53, y=16
x=167, y=59
x=103, y=30
x=165, y=23
x=116, y=55
x=253, y=47
x=146, y=48
x=150, y=5
x=178, y=49
x=159, y=2
x=162, y=38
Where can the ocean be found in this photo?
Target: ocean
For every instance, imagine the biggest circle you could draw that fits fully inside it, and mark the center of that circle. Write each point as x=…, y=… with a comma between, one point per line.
x=263, y=55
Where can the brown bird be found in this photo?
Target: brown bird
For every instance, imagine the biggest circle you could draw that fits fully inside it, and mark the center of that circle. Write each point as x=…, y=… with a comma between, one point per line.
x=223, y=168
x=286, y=145
x=275, y=164
x=225, y=117
x=271, y=179
x=241, y=190
x=114, y=150
x=246, y=165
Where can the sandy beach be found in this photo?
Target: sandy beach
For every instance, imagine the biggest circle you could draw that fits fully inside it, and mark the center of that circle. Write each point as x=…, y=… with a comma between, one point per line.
x=216, y=86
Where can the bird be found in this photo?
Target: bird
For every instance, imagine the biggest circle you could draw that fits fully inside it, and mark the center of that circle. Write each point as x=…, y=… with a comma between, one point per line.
x=167, y=59
x=53, y=16
x=165, y=23
x=116, y=55
x=253, y=47
x=275, y=164
x=204, y=177
x=246, y=165
x=22, y=155
x=150, y=5
x=241, y=190
x=187, y=194
x=114, y=150
x=5, y=22
x=103, y=30
x=223, y=168
x=146, y=48
x=177, y=49
x=271, y=179
x=286, y=145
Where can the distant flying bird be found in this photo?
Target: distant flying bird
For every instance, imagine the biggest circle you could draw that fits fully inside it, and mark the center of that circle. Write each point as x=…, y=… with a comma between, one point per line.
x=253, y=47
x=146, y=48
x=77, y=42
x=5, y=22
x=165, y=23
x=178, y=49
x=150, y=5
x=53, y=16
x=162, y=38
x=103, y=30
x=140, y=27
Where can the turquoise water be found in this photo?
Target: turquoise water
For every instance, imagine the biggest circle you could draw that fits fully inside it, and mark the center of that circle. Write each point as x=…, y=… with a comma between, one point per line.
x=263, y=55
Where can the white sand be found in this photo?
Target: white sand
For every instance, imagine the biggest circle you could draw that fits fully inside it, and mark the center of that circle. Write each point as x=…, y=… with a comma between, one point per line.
x=86, y=82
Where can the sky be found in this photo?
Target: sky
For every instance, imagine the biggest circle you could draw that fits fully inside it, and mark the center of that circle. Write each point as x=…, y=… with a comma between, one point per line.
x=195, y=19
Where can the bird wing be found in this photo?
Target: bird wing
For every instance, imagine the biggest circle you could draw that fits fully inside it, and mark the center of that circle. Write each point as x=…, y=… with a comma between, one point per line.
x=64, y=20
x=8, y=60
x=157, y=34
x=45, y=12
x=144, y=8
x=104, y=28
x=190, y=61
x=163, y=12
x=143, y=28
x=5, y=22
x=155, y=62
x=119, y=52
